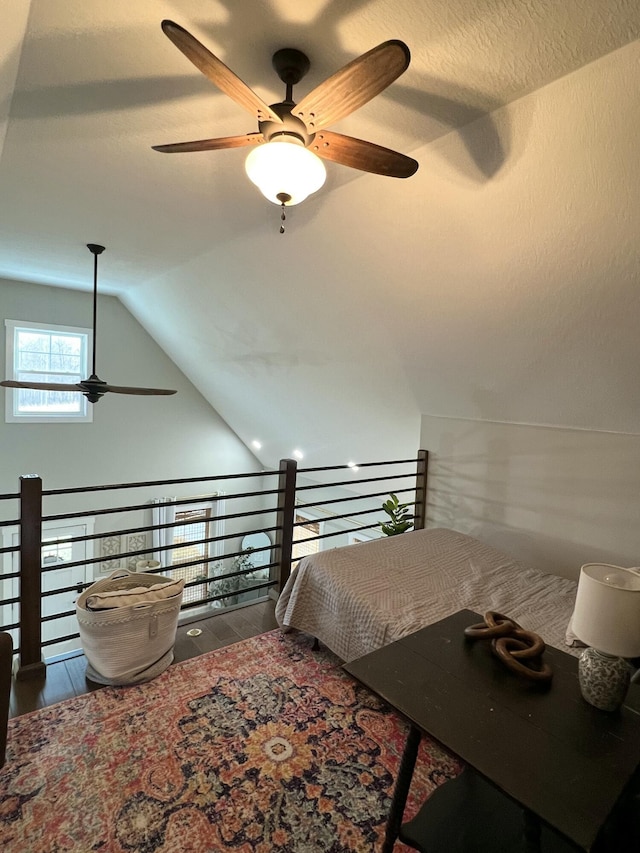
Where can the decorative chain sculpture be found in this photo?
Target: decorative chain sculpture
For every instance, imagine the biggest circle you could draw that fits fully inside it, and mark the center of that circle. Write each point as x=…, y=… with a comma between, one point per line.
x=519, y=650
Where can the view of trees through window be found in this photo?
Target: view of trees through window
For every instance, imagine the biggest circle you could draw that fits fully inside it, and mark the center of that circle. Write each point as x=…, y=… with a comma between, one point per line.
x=47, y=355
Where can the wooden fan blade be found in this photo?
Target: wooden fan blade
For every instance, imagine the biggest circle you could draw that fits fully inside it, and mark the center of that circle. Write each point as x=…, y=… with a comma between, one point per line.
x=218, y=73
x=42, y=386
x=354, y=85
x=362, y=155
x=123, y=389
x=211, y=144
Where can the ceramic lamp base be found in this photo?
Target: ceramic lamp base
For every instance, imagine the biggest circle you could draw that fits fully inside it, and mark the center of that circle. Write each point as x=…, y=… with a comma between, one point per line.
x=604, y=680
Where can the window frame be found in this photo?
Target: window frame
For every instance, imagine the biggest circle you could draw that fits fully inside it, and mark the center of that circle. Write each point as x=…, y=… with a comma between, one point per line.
x=86, y=413
x=214, y=520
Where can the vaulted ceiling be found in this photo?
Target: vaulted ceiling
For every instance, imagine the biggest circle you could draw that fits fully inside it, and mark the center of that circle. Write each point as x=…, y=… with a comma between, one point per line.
x=500, y=282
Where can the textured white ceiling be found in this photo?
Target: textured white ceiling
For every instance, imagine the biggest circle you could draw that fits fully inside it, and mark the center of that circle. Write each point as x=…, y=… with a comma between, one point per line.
x=500, y=282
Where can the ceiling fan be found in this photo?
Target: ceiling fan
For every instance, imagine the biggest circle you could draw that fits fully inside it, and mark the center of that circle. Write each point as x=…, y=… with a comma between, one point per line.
x=92, y=388
x=304, y=123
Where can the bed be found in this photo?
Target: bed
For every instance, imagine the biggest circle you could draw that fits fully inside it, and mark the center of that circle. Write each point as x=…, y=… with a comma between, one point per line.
x=360, y=597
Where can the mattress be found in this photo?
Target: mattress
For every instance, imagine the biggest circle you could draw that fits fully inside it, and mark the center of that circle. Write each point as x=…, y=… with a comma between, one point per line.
x=358, y=598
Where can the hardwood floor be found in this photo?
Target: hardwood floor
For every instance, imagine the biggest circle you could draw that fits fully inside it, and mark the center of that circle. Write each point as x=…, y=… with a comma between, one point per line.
x=66, y=678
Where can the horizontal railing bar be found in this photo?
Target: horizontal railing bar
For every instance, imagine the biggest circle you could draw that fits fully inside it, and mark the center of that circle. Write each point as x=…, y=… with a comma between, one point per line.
x=350, y=483
x=352, y=498
x=357, y=465
x=145, y=483
x=195, y=582
x=88, y=537
x=239, y=574
x=228, y=517
x=12, y=522
x=329, y=535
x=266, y=584
x=199, y=603
x=356, y=512
x=53, y=616
x=202, y=561
x=60, y=640
x=199, y=499
x=9, y=575
x=147, y=506
x=160, y=549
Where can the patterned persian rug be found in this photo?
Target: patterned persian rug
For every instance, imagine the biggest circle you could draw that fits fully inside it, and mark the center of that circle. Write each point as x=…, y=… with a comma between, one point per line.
x=262, y=746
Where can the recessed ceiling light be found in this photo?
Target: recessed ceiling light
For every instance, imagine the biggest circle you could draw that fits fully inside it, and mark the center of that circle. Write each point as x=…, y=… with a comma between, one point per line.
x=256, y=444
x=298, y=454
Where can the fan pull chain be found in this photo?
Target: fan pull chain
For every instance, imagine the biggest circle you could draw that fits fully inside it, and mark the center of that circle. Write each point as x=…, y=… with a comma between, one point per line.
x=283, y=198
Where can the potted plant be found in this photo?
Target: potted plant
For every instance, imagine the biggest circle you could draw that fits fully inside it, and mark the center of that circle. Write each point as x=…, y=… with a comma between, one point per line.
x=400, y=519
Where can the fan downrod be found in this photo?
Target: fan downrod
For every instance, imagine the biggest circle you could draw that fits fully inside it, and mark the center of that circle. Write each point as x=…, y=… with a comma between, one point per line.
x=290, y=64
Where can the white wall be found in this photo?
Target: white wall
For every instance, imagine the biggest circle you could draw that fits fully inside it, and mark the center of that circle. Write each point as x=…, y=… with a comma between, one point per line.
x=131, y=438
x=554, y=498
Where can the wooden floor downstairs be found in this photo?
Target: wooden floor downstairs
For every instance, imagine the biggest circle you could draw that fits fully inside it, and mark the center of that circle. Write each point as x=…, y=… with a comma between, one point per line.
x=66, y=678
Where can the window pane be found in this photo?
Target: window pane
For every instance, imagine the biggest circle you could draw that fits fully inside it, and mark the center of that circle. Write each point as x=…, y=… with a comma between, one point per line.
x=31, y=360
x=64, y=362
x=31, y=341
x=30, y=401
x=41, y=376
x=66, y=344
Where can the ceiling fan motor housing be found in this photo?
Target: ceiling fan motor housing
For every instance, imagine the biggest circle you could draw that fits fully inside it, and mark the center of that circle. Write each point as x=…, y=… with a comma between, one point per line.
x=291, y=126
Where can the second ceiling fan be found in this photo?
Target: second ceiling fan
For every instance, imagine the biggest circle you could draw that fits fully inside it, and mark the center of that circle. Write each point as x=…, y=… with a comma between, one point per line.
x=304, y=124
x=93, y=388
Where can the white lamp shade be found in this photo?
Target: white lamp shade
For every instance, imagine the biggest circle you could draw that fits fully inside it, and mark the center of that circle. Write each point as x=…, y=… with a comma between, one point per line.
x=607, y=610
x=284, y=165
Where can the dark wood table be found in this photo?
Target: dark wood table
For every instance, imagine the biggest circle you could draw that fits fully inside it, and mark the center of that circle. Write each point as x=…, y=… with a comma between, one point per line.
x=562, y=760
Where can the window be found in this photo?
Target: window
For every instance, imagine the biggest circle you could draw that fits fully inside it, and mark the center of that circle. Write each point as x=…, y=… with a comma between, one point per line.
x=40, y=353
x=187, y=536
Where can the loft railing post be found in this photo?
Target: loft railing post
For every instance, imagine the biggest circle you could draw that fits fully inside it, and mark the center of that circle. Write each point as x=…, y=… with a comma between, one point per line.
x=285, y=517
x=30, y=662
x=420, y=509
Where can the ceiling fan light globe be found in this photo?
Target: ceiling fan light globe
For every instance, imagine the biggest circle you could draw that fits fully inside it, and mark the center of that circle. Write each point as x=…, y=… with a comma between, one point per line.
x=283, y=167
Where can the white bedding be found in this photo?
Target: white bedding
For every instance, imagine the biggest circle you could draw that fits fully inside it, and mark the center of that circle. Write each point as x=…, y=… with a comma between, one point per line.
x=358, y=598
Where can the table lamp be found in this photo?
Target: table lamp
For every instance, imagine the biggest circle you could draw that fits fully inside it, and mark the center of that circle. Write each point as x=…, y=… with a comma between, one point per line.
x=607, y=619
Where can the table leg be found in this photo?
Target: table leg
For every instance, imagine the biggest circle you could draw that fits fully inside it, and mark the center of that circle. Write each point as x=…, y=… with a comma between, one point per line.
x=531, y=832
x=401, y=790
